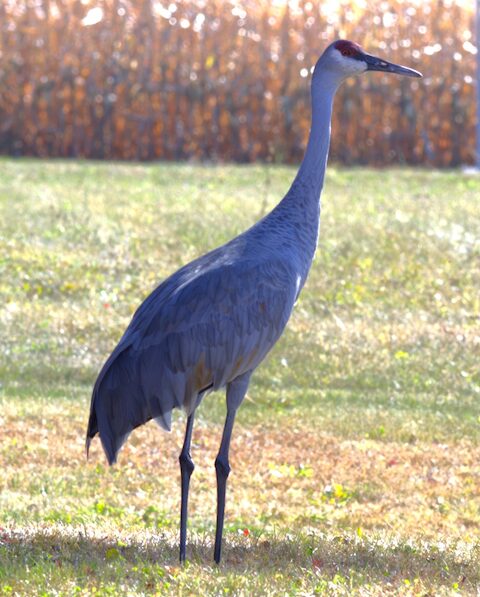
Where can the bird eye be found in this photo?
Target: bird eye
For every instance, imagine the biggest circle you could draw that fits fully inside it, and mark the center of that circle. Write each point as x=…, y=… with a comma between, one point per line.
x=347, y=52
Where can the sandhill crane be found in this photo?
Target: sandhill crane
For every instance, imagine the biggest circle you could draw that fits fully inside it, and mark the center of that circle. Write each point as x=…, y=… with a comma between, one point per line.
x=211, y=323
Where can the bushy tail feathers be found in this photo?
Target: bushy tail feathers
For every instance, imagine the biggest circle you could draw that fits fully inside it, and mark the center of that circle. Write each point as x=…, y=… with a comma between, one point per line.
x=106, y=409
x=122, y=400
x=98, y=423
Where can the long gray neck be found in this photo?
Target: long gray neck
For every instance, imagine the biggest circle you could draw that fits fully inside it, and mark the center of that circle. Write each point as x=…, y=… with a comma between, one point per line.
x=297, y=216
x=310, y=177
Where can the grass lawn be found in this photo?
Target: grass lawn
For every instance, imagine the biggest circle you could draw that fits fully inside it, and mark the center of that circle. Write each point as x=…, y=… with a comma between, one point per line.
x=356, y=457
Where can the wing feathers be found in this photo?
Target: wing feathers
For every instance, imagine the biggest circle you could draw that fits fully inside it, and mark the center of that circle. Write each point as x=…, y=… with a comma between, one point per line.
x=210, y=327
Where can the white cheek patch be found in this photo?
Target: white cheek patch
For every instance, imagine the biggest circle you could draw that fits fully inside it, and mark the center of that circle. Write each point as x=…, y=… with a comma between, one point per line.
x=359, y=66
x=348, y=65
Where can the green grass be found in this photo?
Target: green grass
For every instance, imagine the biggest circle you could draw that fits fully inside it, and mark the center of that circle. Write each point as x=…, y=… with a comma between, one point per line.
x=355, y=456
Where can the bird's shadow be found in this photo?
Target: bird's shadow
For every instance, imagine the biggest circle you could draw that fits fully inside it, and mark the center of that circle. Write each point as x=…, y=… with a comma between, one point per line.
x=297, y=555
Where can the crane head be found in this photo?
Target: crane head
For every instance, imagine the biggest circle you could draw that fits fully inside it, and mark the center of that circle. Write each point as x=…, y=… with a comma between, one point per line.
x=348, y=58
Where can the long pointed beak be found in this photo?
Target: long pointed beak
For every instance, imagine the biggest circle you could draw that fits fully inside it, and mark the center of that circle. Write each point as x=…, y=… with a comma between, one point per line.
x=374, y=63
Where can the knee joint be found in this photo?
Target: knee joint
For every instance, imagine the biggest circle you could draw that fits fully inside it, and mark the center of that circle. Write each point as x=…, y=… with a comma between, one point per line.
x=222, y=467
x=186, y=463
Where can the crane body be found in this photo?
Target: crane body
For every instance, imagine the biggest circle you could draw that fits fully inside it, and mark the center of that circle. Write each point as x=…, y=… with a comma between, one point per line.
x=219, y=317
x=211, y=323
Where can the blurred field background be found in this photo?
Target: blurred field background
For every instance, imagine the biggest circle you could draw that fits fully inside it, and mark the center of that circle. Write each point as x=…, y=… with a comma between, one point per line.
x=355, y=457
x=228, y=80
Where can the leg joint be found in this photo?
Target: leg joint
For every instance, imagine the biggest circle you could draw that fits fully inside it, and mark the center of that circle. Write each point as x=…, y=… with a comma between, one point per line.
x=186, y=462
x=222, y=466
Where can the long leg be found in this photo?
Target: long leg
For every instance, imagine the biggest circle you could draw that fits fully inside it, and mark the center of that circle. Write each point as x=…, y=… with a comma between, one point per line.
x=186, y=470
x=222, y=467
x=236, y=391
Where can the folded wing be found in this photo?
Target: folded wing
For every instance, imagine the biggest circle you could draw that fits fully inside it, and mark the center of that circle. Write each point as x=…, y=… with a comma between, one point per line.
x=200, y=329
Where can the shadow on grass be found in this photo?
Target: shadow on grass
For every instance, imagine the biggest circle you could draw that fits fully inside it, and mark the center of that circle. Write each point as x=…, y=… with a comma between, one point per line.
x=366, y=560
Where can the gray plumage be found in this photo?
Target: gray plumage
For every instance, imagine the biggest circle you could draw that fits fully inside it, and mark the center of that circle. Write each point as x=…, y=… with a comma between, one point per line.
x=211, y=323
